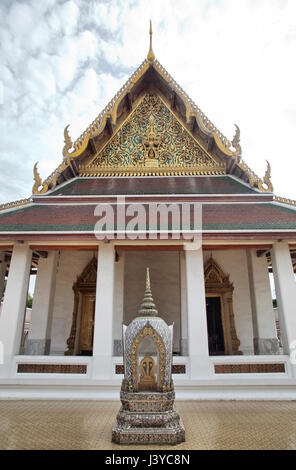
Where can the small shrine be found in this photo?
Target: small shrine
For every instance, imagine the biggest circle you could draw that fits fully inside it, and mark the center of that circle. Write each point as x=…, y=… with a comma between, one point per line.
x=147, y=415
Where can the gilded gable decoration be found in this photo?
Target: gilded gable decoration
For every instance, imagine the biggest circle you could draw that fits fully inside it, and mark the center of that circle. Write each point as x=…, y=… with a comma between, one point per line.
x=150, y=147
x=214, y=276
x=152, y=140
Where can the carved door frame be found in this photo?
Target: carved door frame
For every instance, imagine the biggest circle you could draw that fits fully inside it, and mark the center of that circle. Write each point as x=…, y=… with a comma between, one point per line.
x=217, y=284
x=85, y=283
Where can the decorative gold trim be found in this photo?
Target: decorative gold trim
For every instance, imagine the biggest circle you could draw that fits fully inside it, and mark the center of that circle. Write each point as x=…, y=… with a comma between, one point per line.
x=154, y=157
x=12, y=205
x=234, y=339
x=236, y=141
x=51, y=180
x=249, y=368
x=38, y=182
x=266, y=180
x=255, y=181
x=284, y=200
x=93, y=170
x=27, y=368
x=192, y=110
x=148, y=330
x=68, y=145
x=110, y=111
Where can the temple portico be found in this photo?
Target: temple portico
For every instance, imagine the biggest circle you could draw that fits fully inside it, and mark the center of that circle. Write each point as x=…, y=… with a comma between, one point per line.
x=182, y=301
x=151, y=183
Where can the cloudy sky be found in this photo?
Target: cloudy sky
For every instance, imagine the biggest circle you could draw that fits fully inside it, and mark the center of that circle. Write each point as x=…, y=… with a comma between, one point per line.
x=63, y=60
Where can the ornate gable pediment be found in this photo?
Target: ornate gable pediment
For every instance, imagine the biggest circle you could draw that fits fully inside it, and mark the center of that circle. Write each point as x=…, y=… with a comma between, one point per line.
x=215, y=277
x=152, y=141
x=88, y=277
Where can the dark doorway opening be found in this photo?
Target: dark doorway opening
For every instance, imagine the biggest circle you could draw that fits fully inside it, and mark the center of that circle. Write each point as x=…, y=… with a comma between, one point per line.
x=215, y=326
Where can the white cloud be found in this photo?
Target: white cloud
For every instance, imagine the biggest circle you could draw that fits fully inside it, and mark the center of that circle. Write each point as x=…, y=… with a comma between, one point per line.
x=62, y=61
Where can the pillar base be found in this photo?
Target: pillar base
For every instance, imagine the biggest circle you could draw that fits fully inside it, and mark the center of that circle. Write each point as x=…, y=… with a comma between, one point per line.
x=148, y=418
x=37, y=347
x=117, y=347
x=266, y=346
x=184, y=347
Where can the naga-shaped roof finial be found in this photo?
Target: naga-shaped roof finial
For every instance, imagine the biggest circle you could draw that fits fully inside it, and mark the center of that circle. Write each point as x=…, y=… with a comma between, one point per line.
x=236, y=142
x=266, y=180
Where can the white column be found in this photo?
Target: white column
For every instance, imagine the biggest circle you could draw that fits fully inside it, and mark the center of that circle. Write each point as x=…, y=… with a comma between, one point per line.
x=38, y=341
x=184, y=315
x=285, y=286
x=14, y=305
x=264, y=326
x=102, y=344
x=3, y=265
x=197, y=316
x=118, y=304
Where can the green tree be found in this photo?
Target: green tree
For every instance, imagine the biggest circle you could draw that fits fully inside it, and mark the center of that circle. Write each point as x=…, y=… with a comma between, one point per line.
x=29, y=299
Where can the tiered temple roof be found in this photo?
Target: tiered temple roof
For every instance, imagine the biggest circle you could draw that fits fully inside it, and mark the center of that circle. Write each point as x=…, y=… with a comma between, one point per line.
x=151, y=142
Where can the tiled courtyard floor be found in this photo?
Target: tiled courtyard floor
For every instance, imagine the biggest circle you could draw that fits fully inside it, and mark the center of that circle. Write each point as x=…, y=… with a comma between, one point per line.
x=88, y=424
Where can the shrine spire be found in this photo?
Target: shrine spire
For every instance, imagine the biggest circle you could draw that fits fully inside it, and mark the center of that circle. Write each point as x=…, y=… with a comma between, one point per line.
x=148, y=306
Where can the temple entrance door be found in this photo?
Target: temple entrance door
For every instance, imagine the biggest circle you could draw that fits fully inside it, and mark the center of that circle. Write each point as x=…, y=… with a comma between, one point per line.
x=80, y=340
x=220, y=316
x=215, y=326
x=87, y=323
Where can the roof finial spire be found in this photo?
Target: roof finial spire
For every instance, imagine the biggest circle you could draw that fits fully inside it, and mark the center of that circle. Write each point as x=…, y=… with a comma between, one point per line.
x=148, y=307
x=150, y=55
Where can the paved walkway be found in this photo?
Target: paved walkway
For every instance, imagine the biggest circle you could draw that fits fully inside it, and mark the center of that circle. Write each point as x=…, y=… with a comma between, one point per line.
x=88, y=424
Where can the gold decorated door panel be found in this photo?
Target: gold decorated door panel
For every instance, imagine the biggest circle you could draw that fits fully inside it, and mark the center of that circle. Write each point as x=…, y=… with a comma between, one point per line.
x=87, y=323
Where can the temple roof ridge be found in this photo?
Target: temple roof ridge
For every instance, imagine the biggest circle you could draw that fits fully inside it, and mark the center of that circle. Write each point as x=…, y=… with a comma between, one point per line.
x=192, y=109
x=108, y=117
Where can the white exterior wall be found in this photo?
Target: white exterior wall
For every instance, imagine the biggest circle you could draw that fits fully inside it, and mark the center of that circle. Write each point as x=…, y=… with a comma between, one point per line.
x=198, y=349
x=285, y=286
x=118, y=303
x=70, y=266
x=2, y=272
x=265, y=334
x=234, y=263
x=104, y=310
x=38, y=341
x=184, y=307
x=14, y=305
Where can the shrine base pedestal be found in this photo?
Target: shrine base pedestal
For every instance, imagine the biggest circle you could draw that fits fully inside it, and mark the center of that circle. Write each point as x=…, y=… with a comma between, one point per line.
x=148, y=418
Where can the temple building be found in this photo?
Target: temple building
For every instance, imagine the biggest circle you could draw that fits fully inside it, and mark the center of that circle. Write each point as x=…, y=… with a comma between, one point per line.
x=152, y=147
